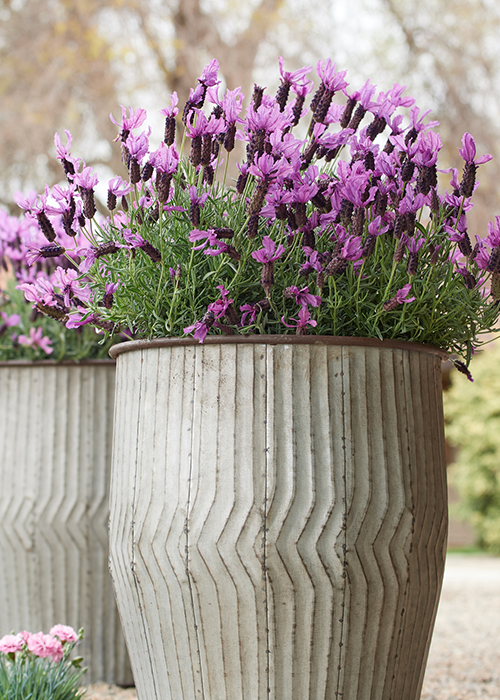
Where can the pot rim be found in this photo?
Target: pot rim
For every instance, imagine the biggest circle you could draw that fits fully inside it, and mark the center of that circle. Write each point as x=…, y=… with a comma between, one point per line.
x=53, y=363
x=254, y=339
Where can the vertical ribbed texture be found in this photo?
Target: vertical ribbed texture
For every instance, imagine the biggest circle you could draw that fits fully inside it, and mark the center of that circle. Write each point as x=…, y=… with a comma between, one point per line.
x=55, y=459
x=278, y=520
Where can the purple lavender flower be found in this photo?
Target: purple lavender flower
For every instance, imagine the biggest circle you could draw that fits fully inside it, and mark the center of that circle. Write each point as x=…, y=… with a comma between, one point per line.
x=267, y=118
x=165, y=159
x=9, y=321
x=109, y=292
x=207, y=237
x=36, y=338
x=302, y=296
x=297, y=79
x=87, y=180
x=208, y=78
x=215, y=311
x=468, y=151
x=400, y=298
x=269, y=253
x=138, y=146
x=493, y=237
x=135, y=119
x=40, y=292
x=331, y=79
x=77, y=319
x=204, y=126
x=302, y=322
x=267, y=168
x=117, y=188
x=70, y=164
x=173, y=110
x=33, y=255
x=68, y=282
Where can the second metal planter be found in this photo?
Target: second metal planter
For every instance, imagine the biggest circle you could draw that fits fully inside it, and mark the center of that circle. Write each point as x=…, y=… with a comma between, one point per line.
x=55, y=456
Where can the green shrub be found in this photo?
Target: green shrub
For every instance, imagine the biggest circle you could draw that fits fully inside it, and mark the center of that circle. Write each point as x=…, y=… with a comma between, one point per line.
x=472, y=413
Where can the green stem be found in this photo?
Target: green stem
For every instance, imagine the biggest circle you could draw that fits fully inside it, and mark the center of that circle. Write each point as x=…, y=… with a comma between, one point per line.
x=168, y=324
x=226, y=169
x=360, y=274
x=158, y=290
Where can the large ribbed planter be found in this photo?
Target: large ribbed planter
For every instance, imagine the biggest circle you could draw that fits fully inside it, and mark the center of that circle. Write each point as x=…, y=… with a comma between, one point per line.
x=278, y=516
x=55, y=458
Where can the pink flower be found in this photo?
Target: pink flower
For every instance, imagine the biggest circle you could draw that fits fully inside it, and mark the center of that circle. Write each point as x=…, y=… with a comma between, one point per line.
x=302, y=296
x=215, y=310
x=209, y=75
x=200, y=329
x=86, y=179
x=402, y=295
x=173, y=110
x=135, y=119
x=468, y=151
x=64, y=632
x=68, y=282
x=165, y=159
x=138, y=146
x=41, y=292
x=269, y=253
x=36, y=338
x=118, y=187
x=12, y=320
x=302, y=322
x=77, y=319
x=10, y=643
x=330, y=78
x=297, y=79
x=45, y=645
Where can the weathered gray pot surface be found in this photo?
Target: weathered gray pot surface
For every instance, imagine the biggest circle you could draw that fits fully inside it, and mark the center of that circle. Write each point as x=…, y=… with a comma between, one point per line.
x=55, y=458
x=278, y=516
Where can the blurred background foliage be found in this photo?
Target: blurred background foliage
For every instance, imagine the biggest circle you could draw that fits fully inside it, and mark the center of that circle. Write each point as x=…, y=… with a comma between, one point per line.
x=66, y=64
x=472, y=412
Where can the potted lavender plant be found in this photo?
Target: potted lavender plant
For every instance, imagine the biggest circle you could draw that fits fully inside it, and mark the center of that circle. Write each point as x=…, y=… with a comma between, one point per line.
x=56, y=407
x=278, y=500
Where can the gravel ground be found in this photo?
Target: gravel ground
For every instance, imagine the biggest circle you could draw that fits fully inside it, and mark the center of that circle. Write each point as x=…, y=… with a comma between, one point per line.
x=464, y=660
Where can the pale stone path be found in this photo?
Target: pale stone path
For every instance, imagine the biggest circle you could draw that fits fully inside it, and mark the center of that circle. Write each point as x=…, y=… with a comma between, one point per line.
x=464, y=661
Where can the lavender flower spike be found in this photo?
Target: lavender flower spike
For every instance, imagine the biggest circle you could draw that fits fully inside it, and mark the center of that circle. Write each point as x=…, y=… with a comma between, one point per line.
x=400, y=298
x=468, y=151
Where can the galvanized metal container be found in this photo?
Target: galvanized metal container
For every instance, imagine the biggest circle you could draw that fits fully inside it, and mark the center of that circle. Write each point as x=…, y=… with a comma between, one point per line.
x=278, y=516
x=55, y=458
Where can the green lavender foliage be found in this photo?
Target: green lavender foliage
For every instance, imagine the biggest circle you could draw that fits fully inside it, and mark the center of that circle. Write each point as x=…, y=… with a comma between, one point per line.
x=153, y=304
x=472, y=413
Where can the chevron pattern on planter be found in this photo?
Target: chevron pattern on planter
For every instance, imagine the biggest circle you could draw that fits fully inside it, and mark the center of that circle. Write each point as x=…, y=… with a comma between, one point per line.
x=55, y=457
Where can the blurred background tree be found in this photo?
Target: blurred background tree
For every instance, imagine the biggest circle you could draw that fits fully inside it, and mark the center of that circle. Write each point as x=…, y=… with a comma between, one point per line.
x=66, y=64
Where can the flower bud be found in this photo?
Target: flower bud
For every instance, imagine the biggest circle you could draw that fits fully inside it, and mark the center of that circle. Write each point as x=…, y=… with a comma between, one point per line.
x=195, y=153
x=253, y=226
x=267, y=277
x=282, y=94
x=347, y=113
x=169, y=134
x=46, y=226
x=468, y=179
